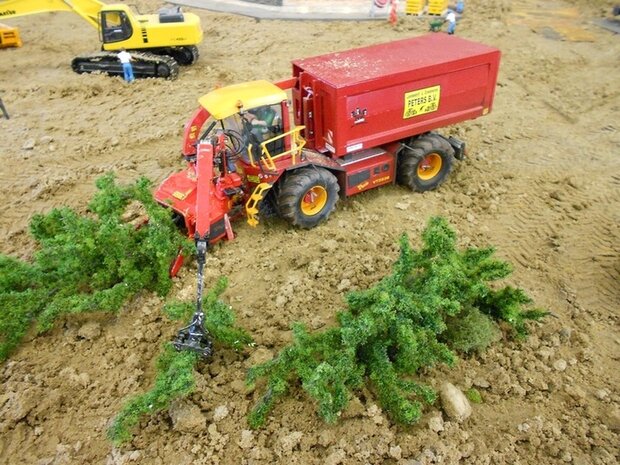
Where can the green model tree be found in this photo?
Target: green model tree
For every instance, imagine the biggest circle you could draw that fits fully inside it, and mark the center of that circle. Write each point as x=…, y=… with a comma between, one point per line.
x=391, y=331
x=87, y=263
x=175, y=377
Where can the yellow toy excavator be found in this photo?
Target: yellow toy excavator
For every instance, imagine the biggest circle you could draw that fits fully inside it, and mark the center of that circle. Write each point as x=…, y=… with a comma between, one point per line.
x=158, y=43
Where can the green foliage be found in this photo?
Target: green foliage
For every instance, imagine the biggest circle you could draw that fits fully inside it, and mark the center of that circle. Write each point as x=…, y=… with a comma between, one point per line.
x=219, y=317
x=507, y=304
x=391, y=331
x=175, y=370
x=175, y=379
x=474, y=395
x=470, y=331
x=87, y=263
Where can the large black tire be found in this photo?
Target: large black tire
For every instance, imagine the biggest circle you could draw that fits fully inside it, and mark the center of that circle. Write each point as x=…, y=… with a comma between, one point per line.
x=425, y=163
x=307, y=196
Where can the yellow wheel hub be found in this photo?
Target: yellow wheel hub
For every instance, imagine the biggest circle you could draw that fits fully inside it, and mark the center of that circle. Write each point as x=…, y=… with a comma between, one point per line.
x=314, y=200
x=430, y=166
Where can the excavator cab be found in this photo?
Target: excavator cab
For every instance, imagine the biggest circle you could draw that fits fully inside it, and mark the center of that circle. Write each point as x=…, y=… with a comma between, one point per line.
x=115, y=26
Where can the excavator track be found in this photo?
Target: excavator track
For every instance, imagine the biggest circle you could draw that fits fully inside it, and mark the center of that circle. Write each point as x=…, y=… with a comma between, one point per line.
x=144, y=65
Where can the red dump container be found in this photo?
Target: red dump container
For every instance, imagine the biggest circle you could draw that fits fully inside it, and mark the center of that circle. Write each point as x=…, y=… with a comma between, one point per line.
x=366, y=97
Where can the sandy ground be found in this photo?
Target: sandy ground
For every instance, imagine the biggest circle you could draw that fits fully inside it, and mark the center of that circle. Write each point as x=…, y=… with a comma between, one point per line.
x=542, y=184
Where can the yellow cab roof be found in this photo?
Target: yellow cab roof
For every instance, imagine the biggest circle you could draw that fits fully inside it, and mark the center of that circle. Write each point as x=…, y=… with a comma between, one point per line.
x=226, y=101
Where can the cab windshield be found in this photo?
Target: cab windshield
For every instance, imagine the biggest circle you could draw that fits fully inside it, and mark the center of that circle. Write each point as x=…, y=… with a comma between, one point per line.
x=247, y=129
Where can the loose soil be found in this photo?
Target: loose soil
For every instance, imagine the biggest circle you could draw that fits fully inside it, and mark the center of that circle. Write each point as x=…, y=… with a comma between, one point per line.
x=542, y=184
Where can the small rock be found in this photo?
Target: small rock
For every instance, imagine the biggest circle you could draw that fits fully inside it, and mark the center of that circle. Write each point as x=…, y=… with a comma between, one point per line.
x=524, y=427
x=281, y=301
x=46, y=140
x=220, y=413
x=601, y=394
x=560, y=365
x=90, y=331
x=290, y=442
x=344, y=285
x=135, y=455
x=454, y=402
x=213, y=432
x=481, y=383
x=375, y=414
x=401, y=206
x=435, y=423
x=396, y=452
x=29, y=144
x=187, y=417
x=247, y=439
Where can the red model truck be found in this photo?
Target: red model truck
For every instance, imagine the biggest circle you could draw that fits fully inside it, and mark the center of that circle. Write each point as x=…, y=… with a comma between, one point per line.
x=363, y=118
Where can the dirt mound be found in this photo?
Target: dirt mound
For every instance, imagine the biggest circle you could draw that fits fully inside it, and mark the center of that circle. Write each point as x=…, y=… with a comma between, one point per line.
x=542, y=184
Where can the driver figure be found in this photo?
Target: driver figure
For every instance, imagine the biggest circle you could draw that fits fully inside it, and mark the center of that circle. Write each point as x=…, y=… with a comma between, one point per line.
x=264, y=121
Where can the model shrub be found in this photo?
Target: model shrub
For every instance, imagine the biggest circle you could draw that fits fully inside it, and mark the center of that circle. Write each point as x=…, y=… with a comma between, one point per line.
x=219, y=317
x=87, y=263
x=174, y=380
x=389, y=332
x=175, y=376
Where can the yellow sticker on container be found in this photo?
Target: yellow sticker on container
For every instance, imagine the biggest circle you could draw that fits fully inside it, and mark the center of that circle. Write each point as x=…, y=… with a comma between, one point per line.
x=419, y=102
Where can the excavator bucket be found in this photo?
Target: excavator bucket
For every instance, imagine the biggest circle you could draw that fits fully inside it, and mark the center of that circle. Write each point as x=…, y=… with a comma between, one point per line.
x=9, y=36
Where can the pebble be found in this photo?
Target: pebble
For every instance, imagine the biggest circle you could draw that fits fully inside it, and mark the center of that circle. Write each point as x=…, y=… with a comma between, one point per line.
x=220, y=413
x=290, y=442
x=560, y=365
x=454, y=403
x=29, y=144
x=601, y=394
x=435, y=423
x=247, y=439
x=481, y=383
x=396, y=452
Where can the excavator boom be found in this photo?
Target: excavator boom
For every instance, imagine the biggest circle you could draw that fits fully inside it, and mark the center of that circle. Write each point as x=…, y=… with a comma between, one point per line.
x=87, y=9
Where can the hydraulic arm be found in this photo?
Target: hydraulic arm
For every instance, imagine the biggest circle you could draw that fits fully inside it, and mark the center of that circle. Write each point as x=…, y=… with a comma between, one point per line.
x=87, y=9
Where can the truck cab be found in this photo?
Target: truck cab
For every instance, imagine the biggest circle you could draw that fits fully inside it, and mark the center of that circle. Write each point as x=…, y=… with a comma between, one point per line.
x=256, y=119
